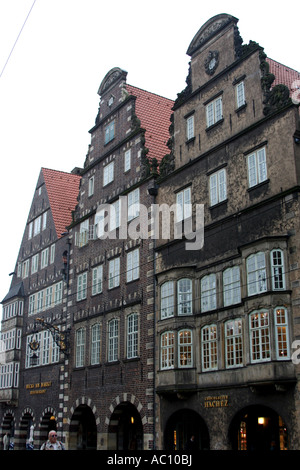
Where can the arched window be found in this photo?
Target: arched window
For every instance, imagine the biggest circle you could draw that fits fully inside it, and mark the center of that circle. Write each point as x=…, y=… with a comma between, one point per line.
x=184, y=297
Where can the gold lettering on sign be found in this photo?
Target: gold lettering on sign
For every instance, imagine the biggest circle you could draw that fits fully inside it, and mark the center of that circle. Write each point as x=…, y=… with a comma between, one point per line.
x=216, y=402
x=38, y=388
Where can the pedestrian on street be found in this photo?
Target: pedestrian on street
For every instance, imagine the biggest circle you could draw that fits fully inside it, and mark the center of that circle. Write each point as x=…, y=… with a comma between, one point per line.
x=52, y=443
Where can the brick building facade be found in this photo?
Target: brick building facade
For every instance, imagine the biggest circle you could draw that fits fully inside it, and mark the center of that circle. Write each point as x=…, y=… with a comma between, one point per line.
x=164, y=341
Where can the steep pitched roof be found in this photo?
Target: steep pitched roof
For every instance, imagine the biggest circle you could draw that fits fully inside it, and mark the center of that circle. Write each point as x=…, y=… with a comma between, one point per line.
x=284, y=75
x=154, y=112
x=62, y=189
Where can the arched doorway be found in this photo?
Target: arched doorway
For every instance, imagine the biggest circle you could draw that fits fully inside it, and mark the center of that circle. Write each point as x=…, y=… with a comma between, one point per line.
x=258, y=428
x=8, y=428
x=26, y=435
x=125, y=431
x=48, y=423
x=83, y=429
x=181, y=426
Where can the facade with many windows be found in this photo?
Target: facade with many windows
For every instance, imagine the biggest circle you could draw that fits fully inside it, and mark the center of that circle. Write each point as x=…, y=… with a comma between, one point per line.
x=227, y=314
x=121, y=339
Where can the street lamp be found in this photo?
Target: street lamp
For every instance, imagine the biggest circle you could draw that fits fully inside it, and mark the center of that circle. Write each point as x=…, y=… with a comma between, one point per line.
x=61, y=338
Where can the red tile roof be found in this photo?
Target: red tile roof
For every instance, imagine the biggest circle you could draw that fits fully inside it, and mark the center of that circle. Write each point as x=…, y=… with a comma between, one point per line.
x=154, y=112
x=286, y=76
x=62, y=189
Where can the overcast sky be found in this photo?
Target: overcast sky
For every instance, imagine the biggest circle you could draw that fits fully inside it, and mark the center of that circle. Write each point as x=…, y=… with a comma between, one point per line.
x=51, y=70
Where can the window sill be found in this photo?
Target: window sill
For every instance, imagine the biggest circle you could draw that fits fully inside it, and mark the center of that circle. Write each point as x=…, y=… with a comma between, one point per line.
x=214, y=125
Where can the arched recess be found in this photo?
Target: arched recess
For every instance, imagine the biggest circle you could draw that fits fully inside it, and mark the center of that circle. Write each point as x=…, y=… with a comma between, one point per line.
x=8, y=426
x=26, y=428
x=125, y=429
x=181, y=426
x=47, y=423
x=258, y=428
x=83, y=428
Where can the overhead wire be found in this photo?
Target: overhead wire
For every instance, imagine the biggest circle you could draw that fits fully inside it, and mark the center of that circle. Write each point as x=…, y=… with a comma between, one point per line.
x=15, y=43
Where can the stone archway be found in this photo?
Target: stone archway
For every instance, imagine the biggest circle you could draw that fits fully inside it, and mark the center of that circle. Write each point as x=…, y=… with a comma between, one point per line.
x=125, y=429
x=83, y=429
x=181, y=426
x=8, y=427
x=258, y=428
x=27, y=424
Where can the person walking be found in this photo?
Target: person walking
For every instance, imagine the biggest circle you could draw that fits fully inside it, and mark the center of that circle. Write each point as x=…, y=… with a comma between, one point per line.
x=52, y=443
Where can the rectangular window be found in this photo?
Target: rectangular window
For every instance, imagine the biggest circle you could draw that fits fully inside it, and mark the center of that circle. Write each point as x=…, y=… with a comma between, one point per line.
x=82, y=286
x=167, y=299
x=256, y=274
x=127, y=160
x=184, y=297
x=234, y=343
x=91, y=186
x=48, y=298
x=108, y=173
x=231, y=286
x=208, y=293
x=109, y=132
x=58, y=293
x=185, y=356
x=44, y=258
x=113, y=340
x=37, y=225
x=132, y=336
x=167, y=350
x=44, y=223
x=281, y=334
x=97, y=280
x=218, y=187
x=114, y=215
x=257, y=167
x=214, y=112
x=25, y=268
x=277, y=267
x=34, y=264
x=133, y=265
x=52, y=253
x=259, y=336
x=190, y=128
x=209, y=348
x=240, y=94
x=183, y=205
x=114, y=273
x=133, y=200
x=95, y=344
x=80, y=347
x=30, y=229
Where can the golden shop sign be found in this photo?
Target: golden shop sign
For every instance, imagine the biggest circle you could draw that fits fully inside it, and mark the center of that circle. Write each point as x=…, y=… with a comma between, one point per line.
x=220, y=401
x=38, y=388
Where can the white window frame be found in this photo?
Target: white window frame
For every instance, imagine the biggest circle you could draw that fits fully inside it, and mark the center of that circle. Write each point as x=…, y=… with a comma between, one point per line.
x=108, y=173
x=132, y=335
x=231, y=286
x=214, y=111
x=234, y=343
x=91, y=186
x=95, y=343
x=80, y=347
x=257, y=167
x=167, y=350
x=113, y=340
x=52, y=253
x=114, y=273
x=208, y=292
x=259, y=326
x=183, y=204
x=185, y=348
x=281, y=334
x=256, y=273
x=35, y=263
x=133, y=203
x=44, y=258
x=81, y=293
x=190, y=127
x=218, y=187
x=240, y=94
x=209, y=347
x=127, y=160
x=184, y=296
x=133, y=265
x=167, y=298
x=277, y=269
x=97, y=280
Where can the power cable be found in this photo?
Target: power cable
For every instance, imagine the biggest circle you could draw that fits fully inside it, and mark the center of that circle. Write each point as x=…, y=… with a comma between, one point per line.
x=12, y=49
